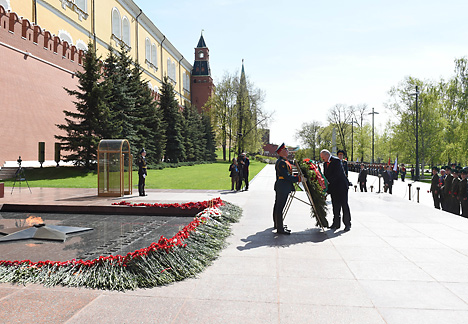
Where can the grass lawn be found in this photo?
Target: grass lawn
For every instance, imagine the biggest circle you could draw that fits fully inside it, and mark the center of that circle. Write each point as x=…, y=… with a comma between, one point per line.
x=202, y=176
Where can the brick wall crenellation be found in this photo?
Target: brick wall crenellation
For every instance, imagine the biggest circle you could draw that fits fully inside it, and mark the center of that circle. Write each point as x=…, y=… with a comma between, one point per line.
x=20, y=33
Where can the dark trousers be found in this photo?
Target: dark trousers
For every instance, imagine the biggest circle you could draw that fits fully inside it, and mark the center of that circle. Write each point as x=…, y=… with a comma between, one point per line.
x=246, y=179
x=455, y=206
x=362, y=186
x=388, y=187
x=403, y=177
x=464, y=205
x=280, y=202
x=234, y=180
x=443, y=201
x=141, y=185
x=436, y=198
x=340, y=202
x=239, y=181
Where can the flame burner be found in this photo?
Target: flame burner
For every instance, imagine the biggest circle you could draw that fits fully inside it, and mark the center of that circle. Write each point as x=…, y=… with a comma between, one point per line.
x=40, y=231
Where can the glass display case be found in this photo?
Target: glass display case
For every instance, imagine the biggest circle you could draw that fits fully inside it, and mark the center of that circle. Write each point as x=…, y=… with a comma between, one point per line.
x=114, y=168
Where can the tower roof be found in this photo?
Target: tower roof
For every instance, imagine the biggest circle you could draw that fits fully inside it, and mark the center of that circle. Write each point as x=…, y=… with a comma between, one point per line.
x=201, y=42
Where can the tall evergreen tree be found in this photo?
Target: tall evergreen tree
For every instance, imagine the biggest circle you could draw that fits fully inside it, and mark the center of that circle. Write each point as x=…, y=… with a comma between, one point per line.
x=174, y=151
x=150, y=127
x=121, y=96
x=85, y=128
x=210, y=139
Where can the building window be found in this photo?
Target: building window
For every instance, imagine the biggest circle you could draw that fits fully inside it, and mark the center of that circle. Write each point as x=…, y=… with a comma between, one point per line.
x=116, y=23
x=82, y=4
x=126, y=30
x=147, y=50
x=151, y=54
x=154, y=56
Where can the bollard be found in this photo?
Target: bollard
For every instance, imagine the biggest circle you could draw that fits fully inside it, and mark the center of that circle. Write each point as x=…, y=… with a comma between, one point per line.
x=409, y=191
x=355, y=188
x=371, y=187
x=417, y=188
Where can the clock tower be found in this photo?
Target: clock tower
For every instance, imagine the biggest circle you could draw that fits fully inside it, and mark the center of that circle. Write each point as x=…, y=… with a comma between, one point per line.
x=201, y=84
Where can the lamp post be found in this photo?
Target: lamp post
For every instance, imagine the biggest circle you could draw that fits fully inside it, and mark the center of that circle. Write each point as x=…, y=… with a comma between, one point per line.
x=373, y=113
x=352, y=137
x=416, y=175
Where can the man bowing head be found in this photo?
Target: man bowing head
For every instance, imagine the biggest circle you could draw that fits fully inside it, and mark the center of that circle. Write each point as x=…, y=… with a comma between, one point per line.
x=337, y=188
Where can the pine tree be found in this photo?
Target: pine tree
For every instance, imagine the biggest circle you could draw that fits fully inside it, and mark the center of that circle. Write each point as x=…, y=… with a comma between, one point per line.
x=121, y=98
x=174, y=151
x=85, y=127
x=210, y=138
x=150, y=126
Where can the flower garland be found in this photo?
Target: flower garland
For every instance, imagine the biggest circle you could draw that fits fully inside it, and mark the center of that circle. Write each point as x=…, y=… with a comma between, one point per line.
x=198, y=205
x=184, y=255
x=317, y=185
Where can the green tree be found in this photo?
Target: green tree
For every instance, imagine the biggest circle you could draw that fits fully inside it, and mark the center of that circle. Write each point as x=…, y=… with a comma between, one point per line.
x=308, y=135
x=149, y=127
x=209, y=139
x=121, y=95
x=86, y=127
x=173, y=119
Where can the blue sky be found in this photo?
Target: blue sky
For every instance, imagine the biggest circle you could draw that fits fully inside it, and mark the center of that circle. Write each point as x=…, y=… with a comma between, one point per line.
x=308, y=56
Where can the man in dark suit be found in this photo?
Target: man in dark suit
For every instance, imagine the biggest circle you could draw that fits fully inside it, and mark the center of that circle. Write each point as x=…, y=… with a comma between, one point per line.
x=362, y=178
x=388, y=179
x=337, y=188
x=341, y=155
x=283, y=186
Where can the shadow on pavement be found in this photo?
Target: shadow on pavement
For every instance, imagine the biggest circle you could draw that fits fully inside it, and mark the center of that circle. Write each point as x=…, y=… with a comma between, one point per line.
x=269, y=238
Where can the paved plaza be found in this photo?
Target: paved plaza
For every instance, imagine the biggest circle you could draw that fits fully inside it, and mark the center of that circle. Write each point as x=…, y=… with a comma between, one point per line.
x=402, y=262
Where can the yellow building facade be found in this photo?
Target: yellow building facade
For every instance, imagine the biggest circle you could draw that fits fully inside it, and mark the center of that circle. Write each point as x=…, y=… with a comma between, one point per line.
x=111, y=23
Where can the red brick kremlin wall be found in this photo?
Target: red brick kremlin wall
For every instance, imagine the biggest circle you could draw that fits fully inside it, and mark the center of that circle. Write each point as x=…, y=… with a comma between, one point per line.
x=34, y=67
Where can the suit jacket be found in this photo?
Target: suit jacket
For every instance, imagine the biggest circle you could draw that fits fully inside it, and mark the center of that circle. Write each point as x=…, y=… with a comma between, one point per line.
x=334, y=172
x=362, y=176
x=435, y=183
x=284, y=178
x=345, y=166
x=388, y=177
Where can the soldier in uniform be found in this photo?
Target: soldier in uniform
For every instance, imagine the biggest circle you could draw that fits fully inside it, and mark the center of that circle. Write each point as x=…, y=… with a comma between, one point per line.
x=447, y=191
x=141, y=172
x=283, y=186
x=462, y=193
x=435, y=187
x=455, y=200
x=403, y=172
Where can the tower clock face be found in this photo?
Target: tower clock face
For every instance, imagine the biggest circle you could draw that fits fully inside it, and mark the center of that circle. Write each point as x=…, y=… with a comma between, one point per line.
x=201, y=55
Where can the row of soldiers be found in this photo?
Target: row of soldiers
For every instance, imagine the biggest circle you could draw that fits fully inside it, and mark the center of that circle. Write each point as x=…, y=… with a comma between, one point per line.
x=449, y=189
x=377, y=169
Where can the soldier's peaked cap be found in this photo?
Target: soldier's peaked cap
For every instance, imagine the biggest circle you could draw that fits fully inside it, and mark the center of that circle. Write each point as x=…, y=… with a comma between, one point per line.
x=142, y=150
x=281, y=147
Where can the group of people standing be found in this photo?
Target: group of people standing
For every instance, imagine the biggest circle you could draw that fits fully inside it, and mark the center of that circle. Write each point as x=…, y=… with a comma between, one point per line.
x=449, y=189
x=388, y=174
x=239, y=172
x=335, y=171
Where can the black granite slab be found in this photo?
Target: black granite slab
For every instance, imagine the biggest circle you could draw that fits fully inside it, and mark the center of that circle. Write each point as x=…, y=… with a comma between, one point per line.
x=111, y=234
